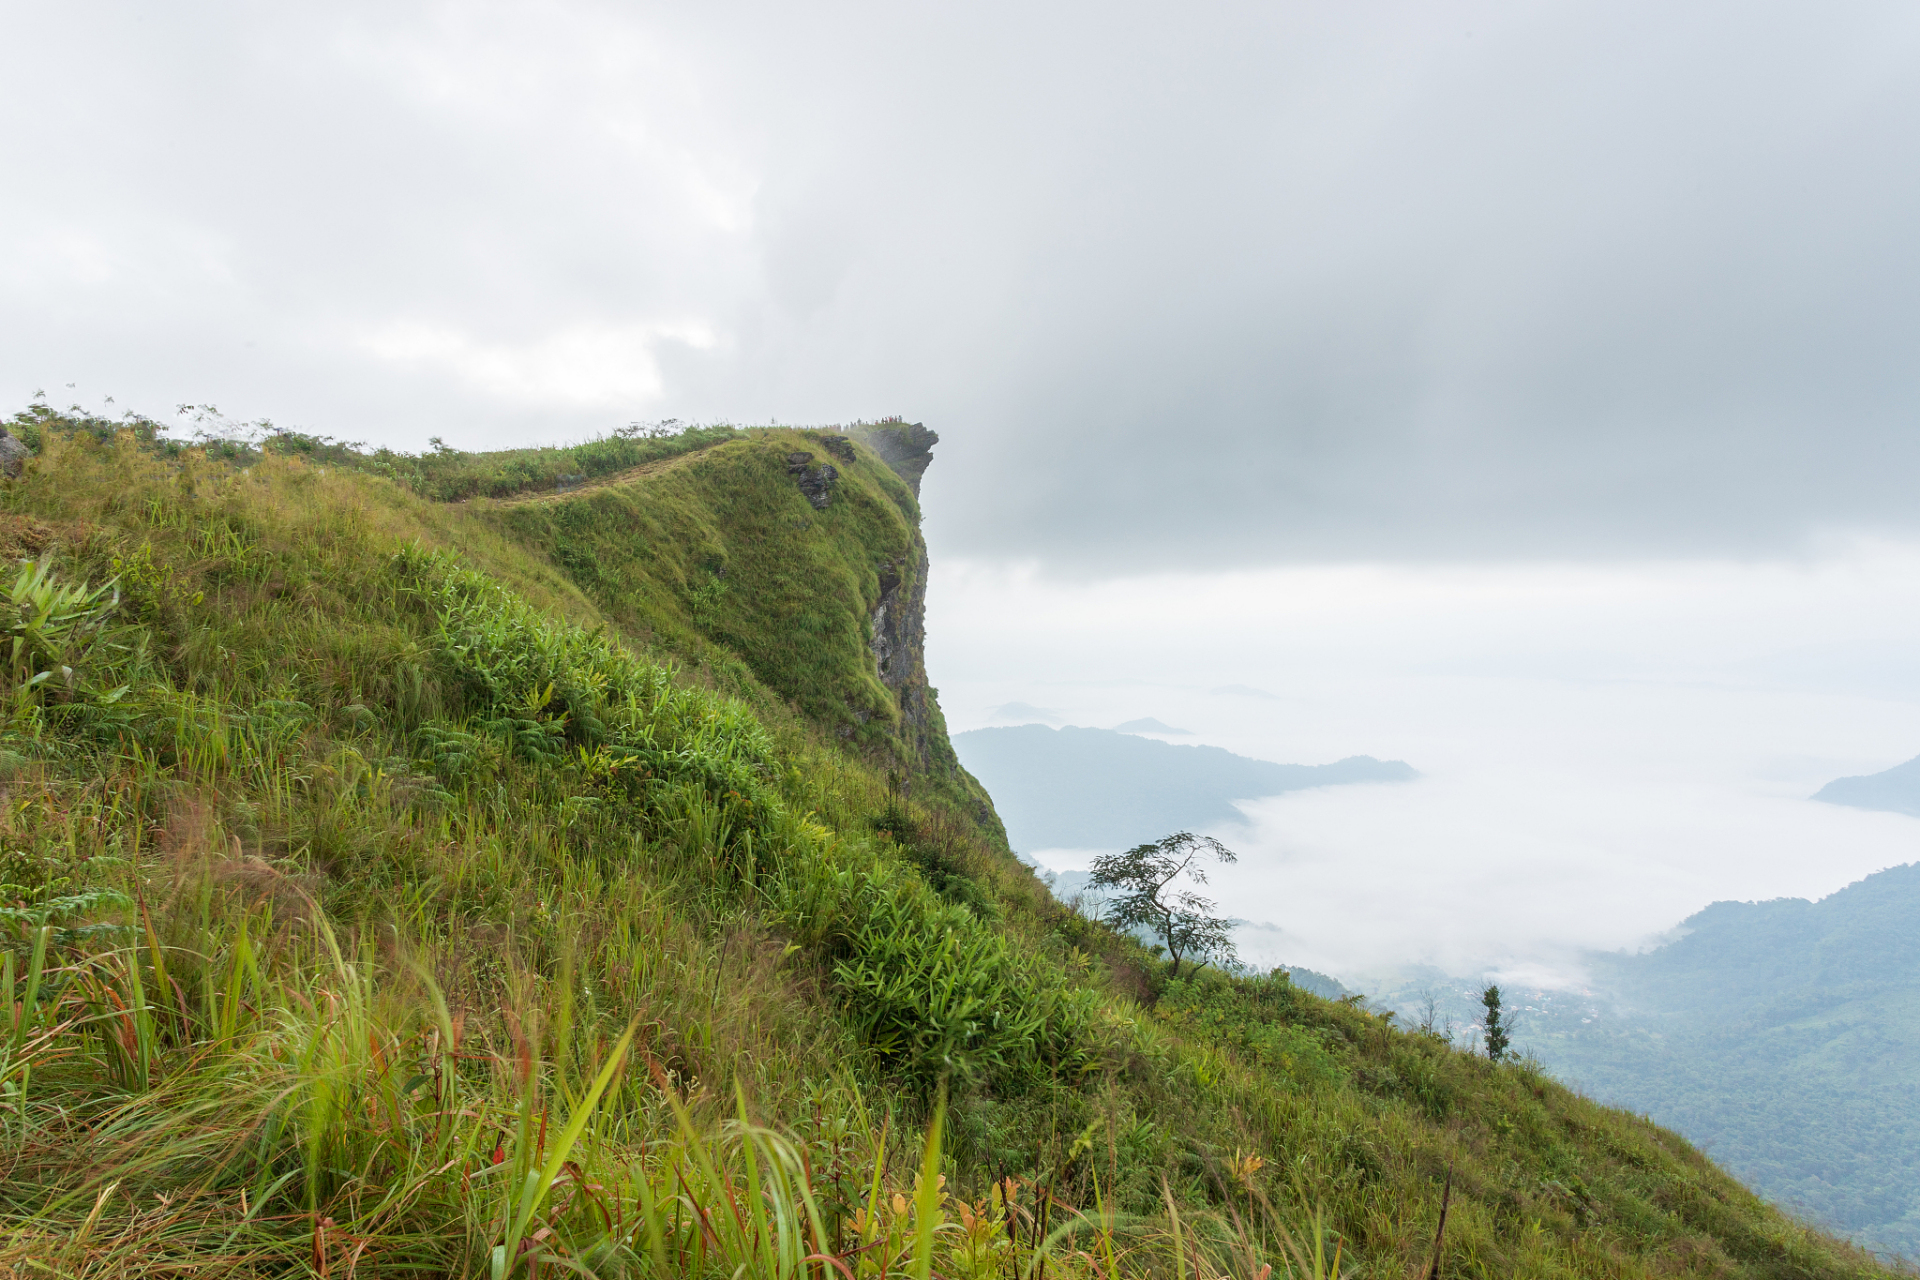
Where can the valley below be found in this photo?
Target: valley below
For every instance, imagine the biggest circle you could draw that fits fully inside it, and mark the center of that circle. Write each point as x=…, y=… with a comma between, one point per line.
x=1780, y=1033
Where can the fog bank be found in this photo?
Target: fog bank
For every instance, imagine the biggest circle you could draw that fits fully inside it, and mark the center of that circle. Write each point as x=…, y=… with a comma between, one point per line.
x=1603, y=750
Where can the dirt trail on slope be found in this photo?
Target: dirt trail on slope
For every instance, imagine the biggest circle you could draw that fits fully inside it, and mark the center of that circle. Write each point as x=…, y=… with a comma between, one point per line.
x=606, y=481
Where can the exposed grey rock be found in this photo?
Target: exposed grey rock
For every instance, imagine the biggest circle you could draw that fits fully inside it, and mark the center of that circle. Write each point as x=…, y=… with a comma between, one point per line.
x=815, y=479
x=834, y=443
x=907, y=447
x=13, y=454
x=892, y=654
x=898, y=637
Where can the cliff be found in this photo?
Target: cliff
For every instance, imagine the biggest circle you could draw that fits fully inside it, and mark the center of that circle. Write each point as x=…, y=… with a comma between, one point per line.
x=907, y=447
x=794, y=554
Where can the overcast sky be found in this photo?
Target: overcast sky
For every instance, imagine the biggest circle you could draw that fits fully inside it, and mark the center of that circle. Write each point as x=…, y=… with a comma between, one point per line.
x=1180, y=286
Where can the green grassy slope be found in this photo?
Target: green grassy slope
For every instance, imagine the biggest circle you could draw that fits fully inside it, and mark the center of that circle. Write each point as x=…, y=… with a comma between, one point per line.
x=398, y=886
x=723, y=547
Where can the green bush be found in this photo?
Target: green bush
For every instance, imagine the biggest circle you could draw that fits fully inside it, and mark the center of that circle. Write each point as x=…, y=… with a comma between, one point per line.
x=935, y=989
x=555, y=693
x=927, y=983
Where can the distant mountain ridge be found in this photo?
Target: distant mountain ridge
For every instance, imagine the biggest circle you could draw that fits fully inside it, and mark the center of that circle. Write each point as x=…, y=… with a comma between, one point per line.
x=1895, y=790
x=1075, y=788
x=1784, y=1037
x=1147, y=724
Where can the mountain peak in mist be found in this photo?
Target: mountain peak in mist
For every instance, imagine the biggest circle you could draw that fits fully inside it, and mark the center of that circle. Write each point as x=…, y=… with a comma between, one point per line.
x=1147, y=724
x=1023, y=711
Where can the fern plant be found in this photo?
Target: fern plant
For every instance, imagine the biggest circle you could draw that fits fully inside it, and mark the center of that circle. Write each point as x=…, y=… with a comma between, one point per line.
x=49, y=627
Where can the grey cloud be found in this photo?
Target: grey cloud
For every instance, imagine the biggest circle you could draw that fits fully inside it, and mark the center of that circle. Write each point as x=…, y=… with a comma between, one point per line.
x=1227, y=285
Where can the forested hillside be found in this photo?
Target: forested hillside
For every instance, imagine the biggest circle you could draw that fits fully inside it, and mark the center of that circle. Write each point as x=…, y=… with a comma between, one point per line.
x=1785, y=1037
x=497, y=866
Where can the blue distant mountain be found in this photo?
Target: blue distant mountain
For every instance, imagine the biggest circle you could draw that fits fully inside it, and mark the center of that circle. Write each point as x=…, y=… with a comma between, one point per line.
x=1781, y=1036
x=1077, y=788
x=1022, y=711
x=1147, y=724
x=1897, y=790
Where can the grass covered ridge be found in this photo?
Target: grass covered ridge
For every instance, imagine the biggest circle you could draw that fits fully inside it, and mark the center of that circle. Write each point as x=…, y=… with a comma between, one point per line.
x=402, y=887
x=725, y=549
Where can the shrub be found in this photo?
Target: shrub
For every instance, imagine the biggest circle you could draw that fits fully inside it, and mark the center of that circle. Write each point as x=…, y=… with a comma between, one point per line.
x=934, y=988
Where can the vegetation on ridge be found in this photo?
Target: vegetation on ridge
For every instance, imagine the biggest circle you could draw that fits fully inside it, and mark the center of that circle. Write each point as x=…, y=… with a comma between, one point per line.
x=391, y=890
x=1784, y=1035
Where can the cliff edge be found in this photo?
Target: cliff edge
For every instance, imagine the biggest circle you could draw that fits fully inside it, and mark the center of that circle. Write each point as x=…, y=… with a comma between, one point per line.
x=787, y=560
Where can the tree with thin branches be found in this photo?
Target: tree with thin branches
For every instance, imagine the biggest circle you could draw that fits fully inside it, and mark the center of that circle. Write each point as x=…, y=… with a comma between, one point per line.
x=1140, y=882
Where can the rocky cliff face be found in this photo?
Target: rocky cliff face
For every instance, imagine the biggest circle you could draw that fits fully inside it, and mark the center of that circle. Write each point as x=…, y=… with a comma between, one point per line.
x=899, y=618
x=899, y=622
x=907, y=447
x=14, y=455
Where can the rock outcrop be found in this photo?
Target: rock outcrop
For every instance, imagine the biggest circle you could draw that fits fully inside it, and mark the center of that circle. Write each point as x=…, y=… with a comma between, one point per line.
x=899, y=639
x=814, y=478
x=13, y=454
x=907, y=447
x=898, y=619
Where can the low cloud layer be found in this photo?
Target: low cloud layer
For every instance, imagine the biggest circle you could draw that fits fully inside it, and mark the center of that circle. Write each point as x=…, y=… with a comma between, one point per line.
x=1602, y=752
x=1206, y=287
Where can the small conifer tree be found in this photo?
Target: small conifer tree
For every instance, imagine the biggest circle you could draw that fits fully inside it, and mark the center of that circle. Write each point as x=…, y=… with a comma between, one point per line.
x=1496, y=1030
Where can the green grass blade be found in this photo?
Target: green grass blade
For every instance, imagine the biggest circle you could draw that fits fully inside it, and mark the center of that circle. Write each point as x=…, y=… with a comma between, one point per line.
x=927, y=1196
x=536, y=1190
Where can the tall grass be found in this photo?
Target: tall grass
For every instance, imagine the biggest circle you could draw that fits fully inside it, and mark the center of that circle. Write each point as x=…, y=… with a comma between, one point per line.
x=258, y=1091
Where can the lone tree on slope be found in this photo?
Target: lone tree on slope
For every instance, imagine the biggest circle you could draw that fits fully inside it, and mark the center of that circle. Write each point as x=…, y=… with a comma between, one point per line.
x=1182, y=919
x=1496, y=1030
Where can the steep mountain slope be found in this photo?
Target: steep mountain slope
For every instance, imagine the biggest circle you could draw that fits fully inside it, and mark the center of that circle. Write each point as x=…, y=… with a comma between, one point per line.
x=787, y=552
x=584, y=882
